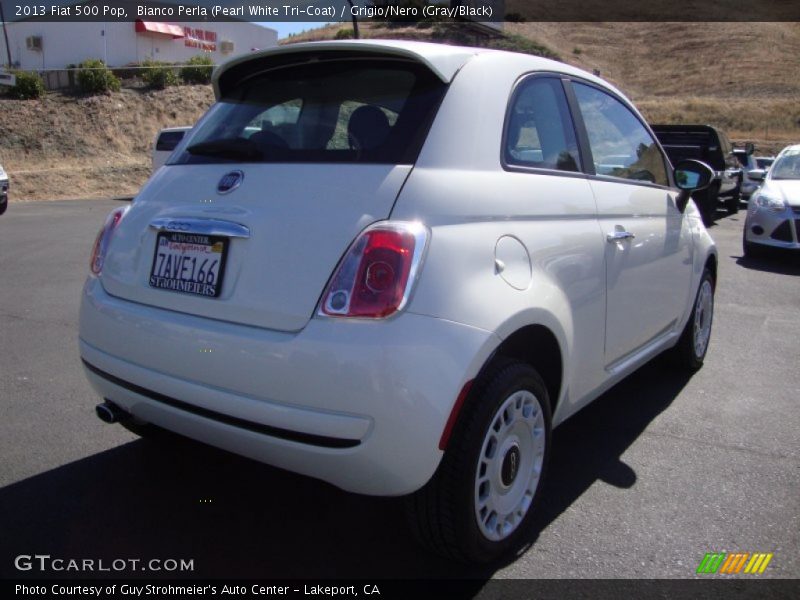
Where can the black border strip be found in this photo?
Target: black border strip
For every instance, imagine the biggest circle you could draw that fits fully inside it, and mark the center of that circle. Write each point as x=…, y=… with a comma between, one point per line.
x=480, y=587
x=338, y=11
x=277, y=432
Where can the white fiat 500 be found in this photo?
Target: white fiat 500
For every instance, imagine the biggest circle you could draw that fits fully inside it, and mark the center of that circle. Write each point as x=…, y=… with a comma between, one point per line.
x=396, y=267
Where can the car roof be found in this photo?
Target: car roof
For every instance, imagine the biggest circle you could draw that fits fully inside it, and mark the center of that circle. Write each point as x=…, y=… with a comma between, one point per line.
x=443, y=60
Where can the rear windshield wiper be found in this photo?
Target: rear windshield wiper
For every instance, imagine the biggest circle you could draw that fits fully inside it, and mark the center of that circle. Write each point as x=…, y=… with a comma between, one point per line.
x=236, y=148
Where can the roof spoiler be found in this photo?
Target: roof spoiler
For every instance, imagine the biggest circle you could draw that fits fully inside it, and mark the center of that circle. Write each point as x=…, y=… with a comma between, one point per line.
x=444, y=61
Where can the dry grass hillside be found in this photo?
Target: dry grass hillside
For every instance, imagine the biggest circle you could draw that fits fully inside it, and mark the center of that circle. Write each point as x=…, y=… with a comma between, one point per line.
x=65, y=146
x=742, y=77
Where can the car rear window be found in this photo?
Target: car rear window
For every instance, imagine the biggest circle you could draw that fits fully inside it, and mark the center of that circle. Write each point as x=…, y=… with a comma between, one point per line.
x=764, y=163
x=369, y=110
x=169, y=140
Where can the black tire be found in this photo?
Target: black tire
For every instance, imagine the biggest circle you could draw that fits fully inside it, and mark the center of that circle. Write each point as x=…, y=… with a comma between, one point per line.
x=732, y=203
x=3, y=207
x=685, y=353
x=443, y=513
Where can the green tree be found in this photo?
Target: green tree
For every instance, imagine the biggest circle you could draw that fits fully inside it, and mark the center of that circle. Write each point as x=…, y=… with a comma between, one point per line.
x=94, y=77
x=27, y=87
x=158, y=75
x=198, y=69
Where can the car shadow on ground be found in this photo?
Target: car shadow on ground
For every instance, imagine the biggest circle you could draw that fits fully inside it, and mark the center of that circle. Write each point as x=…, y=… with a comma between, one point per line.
x=240, y=519
x=772, y=260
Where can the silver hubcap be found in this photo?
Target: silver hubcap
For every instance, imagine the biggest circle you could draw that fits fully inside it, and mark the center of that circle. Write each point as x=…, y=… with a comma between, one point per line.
x=509, y=465
x=703, y=313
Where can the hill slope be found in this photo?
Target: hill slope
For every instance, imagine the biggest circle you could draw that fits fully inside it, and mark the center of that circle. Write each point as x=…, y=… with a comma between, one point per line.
x=742, y=77
x=64, y=146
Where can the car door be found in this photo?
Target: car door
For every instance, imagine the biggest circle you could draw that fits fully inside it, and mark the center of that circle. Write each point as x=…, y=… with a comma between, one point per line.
x=648, y=252
x=555, y=217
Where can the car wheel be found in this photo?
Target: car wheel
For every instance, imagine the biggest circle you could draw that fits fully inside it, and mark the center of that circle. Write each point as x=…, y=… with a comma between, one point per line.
x=732, y=203
x=690, y=351
x=478, y=506
x=3, y=207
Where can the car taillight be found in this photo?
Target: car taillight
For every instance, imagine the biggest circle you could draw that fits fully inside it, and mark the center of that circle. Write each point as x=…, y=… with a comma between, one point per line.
x=376, y=276
x=104, y=238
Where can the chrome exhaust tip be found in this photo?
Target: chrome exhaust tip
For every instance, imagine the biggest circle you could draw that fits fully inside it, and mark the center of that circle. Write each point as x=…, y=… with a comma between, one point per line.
x=108, y=412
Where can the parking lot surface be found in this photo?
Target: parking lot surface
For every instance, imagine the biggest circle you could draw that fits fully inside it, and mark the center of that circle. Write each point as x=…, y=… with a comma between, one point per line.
x=659, y=471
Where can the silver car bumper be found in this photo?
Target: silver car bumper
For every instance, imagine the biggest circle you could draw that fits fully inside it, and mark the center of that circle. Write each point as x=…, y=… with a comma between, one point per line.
x=780, y=229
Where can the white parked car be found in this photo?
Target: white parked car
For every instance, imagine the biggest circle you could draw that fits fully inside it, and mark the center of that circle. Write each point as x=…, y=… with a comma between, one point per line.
x=764, y=162
x=165, y=143
x=3, y=190
x=748, y=163
x=395, y=267
x=773, y=212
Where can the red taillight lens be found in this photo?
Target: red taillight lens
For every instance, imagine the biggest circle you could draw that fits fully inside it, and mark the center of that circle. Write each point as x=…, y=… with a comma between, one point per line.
x=103, y=239
x=375, y=278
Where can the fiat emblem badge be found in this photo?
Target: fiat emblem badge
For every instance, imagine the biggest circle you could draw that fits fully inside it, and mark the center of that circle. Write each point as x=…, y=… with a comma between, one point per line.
x=230, y=181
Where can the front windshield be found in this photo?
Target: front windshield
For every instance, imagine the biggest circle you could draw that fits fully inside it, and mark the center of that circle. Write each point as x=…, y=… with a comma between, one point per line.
x=787, y=166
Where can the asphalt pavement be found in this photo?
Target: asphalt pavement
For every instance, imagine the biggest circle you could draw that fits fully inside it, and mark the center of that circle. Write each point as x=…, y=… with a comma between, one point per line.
x=659, y=471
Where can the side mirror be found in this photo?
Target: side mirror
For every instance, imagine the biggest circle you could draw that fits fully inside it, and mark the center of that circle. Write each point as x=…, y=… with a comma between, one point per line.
x=757, y=174
x=691, y=175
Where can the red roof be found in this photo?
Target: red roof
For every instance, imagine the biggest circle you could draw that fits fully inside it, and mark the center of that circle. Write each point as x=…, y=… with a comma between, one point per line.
x=174, y=31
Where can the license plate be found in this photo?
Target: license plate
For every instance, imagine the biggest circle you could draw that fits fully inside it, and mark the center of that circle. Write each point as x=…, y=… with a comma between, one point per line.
x=191, y=263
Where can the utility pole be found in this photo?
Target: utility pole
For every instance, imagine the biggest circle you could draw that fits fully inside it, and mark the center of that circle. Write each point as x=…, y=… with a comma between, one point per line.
x=5, y=34
x=355, y=21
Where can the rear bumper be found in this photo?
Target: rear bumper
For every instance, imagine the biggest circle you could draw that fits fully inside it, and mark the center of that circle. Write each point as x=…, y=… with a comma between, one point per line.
x=359, y=404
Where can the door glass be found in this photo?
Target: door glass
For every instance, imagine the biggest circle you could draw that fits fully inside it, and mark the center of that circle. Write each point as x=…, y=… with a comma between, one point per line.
x=539, y=132
x=621, y=146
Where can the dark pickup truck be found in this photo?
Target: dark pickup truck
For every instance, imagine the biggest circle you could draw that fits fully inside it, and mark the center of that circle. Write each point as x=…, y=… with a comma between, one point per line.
x=705, y=143
x=3, y=190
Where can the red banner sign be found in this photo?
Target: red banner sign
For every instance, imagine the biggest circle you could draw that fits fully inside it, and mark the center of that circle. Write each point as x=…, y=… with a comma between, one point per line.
x=200, y=38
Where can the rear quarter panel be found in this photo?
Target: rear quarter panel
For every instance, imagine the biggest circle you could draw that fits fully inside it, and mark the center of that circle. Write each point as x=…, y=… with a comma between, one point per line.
x=461, y=191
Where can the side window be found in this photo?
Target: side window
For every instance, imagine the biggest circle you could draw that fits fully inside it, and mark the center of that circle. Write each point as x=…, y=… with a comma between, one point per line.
x=539, y=131
x=620, y=144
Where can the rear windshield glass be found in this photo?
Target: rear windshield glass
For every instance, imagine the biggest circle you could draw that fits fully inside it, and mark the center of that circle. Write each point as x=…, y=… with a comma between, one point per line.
x=169, y=140
x=369, y=110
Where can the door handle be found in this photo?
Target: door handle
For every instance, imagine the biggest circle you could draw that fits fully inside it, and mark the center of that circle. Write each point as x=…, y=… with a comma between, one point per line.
x=618, y=236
